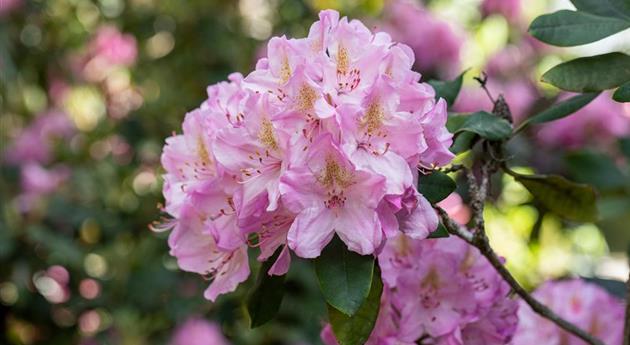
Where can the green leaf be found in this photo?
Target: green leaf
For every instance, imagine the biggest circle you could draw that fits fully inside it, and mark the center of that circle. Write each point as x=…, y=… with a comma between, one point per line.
x=562, y=109
x=487, y=125
x=436, y=186
x=448, y=89
x=440, y=232
x=590, y=74
x=265, y=299
x=607, y=8
x=622, y=94
x=597, y=169
x=567, y=199
x=356, y=329
x=570, y=28
x=344, y=276
x=463, y=142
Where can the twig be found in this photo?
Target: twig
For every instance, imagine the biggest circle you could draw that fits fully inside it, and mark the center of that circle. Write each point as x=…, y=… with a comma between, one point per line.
x=480, y=241
x=483, y=82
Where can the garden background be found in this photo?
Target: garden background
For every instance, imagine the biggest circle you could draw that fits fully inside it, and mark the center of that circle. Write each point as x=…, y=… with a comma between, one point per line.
x=90, y=89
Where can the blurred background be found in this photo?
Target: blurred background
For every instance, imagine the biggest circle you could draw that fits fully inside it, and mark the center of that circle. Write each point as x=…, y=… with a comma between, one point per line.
x=90, y=89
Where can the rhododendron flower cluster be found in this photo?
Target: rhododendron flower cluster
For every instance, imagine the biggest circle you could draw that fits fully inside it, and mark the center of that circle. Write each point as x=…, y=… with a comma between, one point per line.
x=323, y=138
x=584, y=304
x=440, y=292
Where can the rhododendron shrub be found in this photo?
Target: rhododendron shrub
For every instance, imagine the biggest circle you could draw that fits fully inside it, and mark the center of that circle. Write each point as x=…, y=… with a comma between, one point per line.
x=323, y=138
x=587, y=305
x=440, y=292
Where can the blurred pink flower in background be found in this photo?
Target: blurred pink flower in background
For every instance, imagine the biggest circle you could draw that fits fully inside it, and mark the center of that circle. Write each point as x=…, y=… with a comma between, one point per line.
x=7, y=6
x=38, y=180
x=599, y=123
x=586, y=305
x=520, y=95
x=197, y=331
x=455, y=207
x=34, y=143
x=434, y=42
x=510, y=9
x=113, y=46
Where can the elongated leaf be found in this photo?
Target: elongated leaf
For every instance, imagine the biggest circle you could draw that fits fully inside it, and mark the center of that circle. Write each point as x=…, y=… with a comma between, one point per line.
x=448, y=89
x=571, y=28
x=436, y=186
x=596, y=169
x=607, y=8
x=562, y=109
x=623, y=93
x=440, y=232
x=487, y=126
x=265, y=300
x=565, y=198
x=344, y=276
x=355, y=330
x=590, y=74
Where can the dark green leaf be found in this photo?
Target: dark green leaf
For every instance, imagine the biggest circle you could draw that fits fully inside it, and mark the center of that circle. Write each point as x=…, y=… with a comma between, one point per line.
x=436, y=186
x=562, y=109
x=571, y=28
x=265, y=300
x=622, y=94
x=614, y=287
x=440, y=232
x=448, y=89
x=356, y=329
x=607, y=8
x=463, y=142
x=344, y=276
x=590, y=74
x=596, y=169
x=487, y=125
x=565, y=198
x=455, y=121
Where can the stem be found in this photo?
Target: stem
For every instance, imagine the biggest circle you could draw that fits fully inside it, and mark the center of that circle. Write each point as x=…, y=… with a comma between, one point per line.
x=480, y=241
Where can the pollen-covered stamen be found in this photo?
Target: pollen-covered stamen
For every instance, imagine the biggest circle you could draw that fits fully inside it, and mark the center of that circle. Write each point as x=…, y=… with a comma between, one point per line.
x=285, y=70
x=343, y=60
x=334, y=175
x=306, y=98
x=267, y=136
x=374, y=138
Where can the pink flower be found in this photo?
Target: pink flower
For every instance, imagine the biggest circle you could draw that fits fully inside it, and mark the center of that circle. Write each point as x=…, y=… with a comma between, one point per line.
x=198, y=331
x=433, y=41
x=441, y=291
x=456, y=209
x=510, y=9
x=113, y=46
x=584, y=304
x=599, y=123
x=34, y=143
x=324, y=137
x=37, y=180
x=8, y=6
